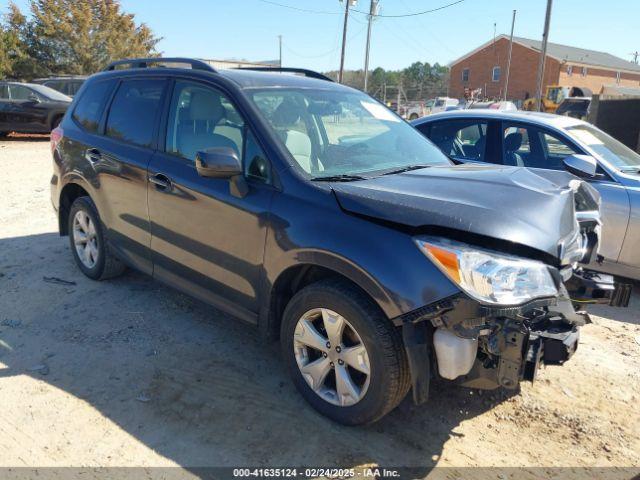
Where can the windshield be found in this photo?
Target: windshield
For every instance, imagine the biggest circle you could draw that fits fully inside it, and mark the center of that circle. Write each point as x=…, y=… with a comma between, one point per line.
x=556, y=95
x=332, y=133
x=50, y=93
x=614, y=152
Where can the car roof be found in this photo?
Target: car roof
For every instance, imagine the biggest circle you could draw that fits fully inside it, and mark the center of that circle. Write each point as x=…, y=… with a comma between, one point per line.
x=537, y=118
x=244, y=78
x=62, y=78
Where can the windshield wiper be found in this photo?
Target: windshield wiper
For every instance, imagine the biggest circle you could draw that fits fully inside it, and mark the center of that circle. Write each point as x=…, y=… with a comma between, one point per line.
x=338, y=178
x=408, y=168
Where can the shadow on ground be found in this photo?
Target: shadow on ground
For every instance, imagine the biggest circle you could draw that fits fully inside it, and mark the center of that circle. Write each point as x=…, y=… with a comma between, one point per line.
x=188, y=382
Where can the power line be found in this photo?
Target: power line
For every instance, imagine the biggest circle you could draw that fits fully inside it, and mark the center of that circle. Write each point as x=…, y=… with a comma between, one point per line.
x=414, y=14
x=327, y=53
x=304, y=10
x=324, y=12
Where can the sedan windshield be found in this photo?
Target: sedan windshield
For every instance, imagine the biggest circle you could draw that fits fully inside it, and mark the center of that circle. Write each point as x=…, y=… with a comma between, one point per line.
x=613, y=151
x=50, y=93
x=337, y=134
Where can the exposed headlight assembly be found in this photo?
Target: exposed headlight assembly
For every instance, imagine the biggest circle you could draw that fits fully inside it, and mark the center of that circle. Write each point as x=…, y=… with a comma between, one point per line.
x=487, y=276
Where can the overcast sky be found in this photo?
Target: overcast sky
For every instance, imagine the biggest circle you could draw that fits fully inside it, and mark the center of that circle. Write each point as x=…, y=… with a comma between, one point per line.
x=248, y=29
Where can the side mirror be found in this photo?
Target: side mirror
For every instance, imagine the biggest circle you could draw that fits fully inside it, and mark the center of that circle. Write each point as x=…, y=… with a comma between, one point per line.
x=34, y=98
x=218, y=162
x=581, y=165
x=223, y=162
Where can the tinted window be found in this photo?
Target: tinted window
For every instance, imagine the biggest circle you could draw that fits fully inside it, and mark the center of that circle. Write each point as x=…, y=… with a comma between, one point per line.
x=134, y=111
x=463, y=139
x=89, y=109
x=201, y=118
x=4, y=92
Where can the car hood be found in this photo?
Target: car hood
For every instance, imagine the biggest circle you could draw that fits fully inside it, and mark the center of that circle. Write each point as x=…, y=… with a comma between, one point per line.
x=534, y=209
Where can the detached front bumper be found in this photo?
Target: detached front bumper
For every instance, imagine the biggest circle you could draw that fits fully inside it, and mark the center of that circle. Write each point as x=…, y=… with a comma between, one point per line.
x=487, y=347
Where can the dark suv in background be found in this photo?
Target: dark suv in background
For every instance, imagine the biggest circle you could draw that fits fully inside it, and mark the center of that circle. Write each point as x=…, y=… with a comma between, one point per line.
x=311, y=210
x=68, y=85
x=30, y=108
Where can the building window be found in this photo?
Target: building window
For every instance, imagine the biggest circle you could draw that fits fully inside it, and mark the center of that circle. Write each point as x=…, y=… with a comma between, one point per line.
x=495, y=74
x=618, y=78
x=465, y=75
x=569, y=70
x=584, y=71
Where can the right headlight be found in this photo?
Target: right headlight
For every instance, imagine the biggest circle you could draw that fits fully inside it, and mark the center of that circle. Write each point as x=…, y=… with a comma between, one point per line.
x=488, y=276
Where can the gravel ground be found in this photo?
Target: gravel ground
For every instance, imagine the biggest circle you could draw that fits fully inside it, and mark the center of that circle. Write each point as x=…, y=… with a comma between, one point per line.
x=130, y=373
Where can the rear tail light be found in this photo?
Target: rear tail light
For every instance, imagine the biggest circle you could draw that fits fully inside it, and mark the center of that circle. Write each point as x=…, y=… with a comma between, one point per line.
x=56, y=136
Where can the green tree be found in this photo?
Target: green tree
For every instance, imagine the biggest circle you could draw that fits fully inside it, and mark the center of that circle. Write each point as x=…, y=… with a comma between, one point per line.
x=75, y=37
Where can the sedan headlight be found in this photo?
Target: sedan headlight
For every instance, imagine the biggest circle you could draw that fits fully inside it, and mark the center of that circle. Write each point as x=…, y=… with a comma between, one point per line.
x=487, y=276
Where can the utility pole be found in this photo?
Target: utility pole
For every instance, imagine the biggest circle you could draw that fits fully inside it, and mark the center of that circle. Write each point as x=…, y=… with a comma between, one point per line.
x=373, y=10
x=543, y=56
x=506, y=82
x=280, y=44
x=344, y=38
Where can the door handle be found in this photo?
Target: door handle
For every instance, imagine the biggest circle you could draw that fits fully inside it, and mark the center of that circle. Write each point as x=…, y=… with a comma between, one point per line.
x=162, y=182
x=93, y=155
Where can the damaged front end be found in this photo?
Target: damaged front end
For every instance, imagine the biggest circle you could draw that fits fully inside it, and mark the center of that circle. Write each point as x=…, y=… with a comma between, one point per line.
x=513, y=313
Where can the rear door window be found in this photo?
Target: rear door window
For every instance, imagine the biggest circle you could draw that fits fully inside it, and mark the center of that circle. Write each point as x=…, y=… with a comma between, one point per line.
x=134, y=111
x=462, y=139
x=88, y=111
x=4, y=92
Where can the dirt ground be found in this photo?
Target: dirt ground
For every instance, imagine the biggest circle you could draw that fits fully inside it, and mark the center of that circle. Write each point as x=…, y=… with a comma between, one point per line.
x=128, y=372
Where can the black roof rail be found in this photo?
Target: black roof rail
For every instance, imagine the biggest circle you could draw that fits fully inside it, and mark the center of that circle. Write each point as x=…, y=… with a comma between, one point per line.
x=144, y=63
x=302, y=71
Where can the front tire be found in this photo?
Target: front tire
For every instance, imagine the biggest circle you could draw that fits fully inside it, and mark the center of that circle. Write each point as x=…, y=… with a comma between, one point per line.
x=88, y=244
x=346, y=359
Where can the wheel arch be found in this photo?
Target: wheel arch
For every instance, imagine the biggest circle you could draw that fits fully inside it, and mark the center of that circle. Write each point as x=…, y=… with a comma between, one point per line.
x=306, y=271
x=68, y=195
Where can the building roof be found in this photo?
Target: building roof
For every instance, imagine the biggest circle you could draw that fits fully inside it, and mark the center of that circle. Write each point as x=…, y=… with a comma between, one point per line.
x=565, y=53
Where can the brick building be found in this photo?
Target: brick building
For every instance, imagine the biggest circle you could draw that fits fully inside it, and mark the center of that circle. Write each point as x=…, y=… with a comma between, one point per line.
x=485, y=68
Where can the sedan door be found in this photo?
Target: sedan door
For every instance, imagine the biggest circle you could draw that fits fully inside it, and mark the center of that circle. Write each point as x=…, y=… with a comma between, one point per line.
x=28, y=110
x=5, y=104
x=206, y=240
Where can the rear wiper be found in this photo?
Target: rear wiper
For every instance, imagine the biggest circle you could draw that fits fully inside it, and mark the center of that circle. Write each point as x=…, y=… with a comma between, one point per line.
x=338, y=178
x=408, y=168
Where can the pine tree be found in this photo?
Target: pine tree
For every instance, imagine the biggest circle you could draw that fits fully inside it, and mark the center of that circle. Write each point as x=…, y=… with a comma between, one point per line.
x=75, y=37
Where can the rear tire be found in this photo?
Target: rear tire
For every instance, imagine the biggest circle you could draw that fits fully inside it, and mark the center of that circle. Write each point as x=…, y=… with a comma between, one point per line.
x=365, y=327
x=89, y=247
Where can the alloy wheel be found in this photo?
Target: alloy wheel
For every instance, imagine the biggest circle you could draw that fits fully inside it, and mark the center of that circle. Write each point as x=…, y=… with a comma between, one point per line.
x=331, y=357
x=85, y=239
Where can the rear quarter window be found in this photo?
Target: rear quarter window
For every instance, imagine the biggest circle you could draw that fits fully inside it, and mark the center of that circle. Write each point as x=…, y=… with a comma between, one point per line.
x=134, y=111
x=88, y=111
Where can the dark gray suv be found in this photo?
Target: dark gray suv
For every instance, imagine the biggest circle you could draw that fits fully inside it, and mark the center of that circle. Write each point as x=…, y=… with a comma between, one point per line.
x=310, y=210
